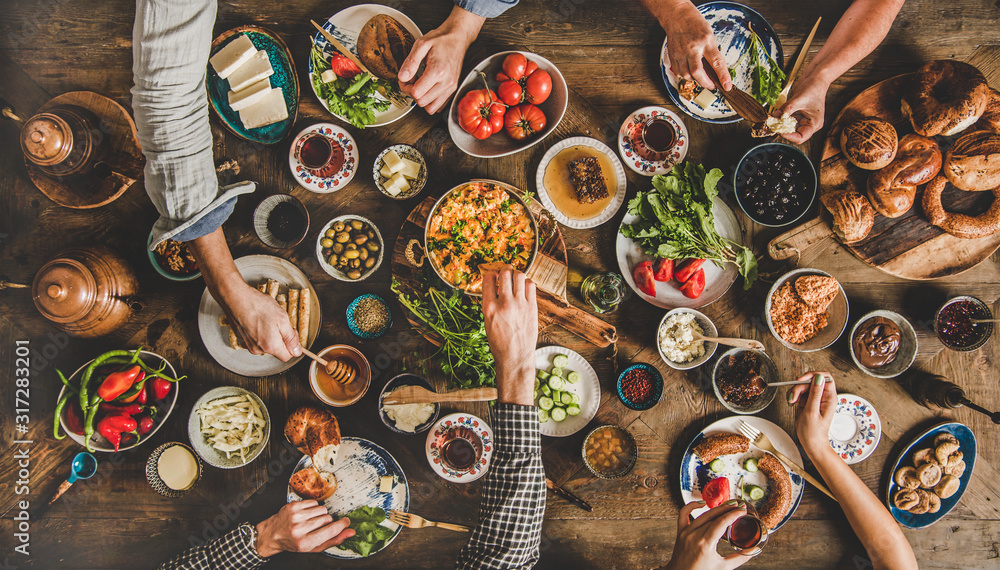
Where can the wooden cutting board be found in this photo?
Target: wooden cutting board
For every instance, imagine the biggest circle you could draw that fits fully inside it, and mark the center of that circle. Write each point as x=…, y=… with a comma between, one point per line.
x=907, y=246
x=549, y=273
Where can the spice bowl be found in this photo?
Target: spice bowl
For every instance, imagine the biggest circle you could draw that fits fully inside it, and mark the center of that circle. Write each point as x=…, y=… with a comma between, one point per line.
x=335, y=394
x=836, y=323
x=327, y=246
x=404, y=151
x=369, y=316
x=639, y=372
x=400, y=381
x=952, y=325
x=279, y=225
x=708, y=329
x=905, y=354
x=767, y=371
x=621, y=447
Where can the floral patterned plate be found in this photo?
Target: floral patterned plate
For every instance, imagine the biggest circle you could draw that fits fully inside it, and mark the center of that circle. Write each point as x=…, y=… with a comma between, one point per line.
x=856, y=428
x=321, y=182
x=636, y=156
x=435, y=436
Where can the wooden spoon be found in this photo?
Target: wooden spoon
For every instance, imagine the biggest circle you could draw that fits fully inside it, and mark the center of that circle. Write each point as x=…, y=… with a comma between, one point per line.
x=736, y=342
x=420, y=395
x=978, y=321
x=341, y=371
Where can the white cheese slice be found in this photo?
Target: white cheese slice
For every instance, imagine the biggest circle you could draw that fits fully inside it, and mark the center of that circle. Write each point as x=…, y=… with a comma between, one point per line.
x=393, y=161
x=257, y=68
x=399, y=181
x=410, y=169
x=385, y=484
x=385, y=172
x=705, y=99
x=328, y=76
x=231, y=57
x=269, y=110
x=240, y=100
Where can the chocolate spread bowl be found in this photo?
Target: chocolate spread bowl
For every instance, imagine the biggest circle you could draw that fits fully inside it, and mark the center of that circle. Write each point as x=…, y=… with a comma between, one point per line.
x=905, y=354
x=982, y=331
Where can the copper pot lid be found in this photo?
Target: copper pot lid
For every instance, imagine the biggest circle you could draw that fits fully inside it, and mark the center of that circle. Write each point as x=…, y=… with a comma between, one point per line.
x=65, y=290
x=46, y=139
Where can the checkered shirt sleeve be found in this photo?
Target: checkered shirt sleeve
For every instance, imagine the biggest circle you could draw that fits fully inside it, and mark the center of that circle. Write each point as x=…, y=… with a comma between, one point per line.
x=512, y=505
x=232, y=551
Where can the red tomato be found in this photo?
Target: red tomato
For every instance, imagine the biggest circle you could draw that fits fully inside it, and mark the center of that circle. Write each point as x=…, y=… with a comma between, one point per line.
x=510, y=92
x=523, y=121
x=685, y=269
x=343, y=67
x=715, y=492
x=514, y=67
x=693, y=287
x=480, y=113
x=664, y=270
x=537, y=86
x=643, y=275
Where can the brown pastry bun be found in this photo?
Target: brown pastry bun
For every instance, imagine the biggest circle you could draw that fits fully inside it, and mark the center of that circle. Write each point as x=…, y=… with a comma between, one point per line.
x=960, y=225
x=945, y=98
x=309, y=483
x=869, y=143
x=315, y=432
x=383, y=45
x=990, y=121
x=853, y=215
x=892, y=189
x=973, y=162
x=300, y=421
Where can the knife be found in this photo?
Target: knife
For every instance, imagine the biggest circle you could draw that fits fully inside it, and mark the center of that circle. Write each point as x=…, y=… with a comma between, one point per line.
x=742, y=102
x=568, y=496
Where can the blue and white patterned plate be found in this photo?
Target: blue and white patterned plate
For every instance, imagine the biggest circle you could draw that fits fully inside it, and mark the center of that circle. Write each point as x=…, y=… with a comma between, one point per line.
x=856, y=428
x=479, y=427
x=641, y=159
x=695, y=474
x=359, y=468
x=967, y=445
x=345, y=26
x=285, y=77
x=312, y=180
x=731, y=24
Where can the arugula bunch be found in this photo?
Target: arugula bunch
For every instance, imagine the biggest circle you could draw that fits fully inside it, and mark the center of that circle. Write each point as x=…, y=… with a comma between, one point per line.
x=676, y=222
x=768, y=79
x=465, y=353
x=369, y=534
x=354, y=98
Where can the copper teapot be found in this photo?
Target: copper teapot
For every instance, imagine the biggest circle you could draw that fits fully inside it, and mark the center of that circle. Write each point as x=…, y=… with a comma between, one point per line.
x=86, y=291
x=63, y=141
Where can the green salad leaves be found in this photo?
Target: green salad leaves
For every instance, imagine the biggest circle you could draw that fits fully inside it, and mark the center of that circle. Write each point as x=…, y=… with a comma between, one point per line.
x=768, y=79
x=353, y=98
x=676, y=222
x=369, y=534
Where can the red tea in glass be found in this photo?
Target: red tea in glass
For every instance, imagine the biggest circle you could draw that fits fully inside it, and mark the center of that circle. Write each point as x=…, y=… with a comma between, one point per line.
x=747, y=535
x=318, y=153
x=460, y=448
x=658, y=135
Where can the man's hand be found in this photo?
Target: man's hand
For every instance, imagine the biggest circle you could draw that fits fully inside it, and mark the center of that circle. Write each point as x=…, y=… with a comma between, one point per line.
x=814, y=414
x=696, y=544
x=689, y=40
x=442, y=50
x=807, y=103
x=511, y=314
x=302, y=526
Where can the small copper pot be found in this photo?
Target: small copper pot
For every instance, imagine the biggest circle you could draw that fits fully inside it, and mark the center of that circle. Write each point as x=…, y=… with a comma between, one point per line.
x=64, y=141
x=86, y=291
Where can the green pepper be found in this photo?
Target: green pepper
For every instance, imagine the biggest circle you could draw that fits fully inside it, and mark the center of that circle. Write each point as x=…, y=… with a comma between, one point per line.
x=93, y=366
x=134, y=390
x=88, y=425
x=69, y=386
x=359, y=82
x=59, y=408
x=150, y=371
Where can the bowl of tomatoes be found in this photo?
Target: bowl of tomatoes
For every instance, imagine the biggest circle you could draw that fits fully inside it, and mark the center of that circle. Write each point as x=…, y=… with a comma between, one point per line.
x=509, y=102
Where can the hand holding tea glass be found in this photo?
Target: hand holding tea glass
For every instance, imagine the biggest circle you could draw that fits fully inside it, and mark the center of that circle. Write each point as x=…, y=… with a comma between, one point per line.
x=511, y=314
x=696, y=547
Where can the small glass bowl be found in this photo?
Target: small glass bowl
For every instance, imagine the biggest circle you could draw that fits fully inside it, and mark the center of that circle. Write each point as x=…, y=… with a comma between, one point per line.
x=986, y=329
x=621, y=471
x=654, y=396
x=352, y=317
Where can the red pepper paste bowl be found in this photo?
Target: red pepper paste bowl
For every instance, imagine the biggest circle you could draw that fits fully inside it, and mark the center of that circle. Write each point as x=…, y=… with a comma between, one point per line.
x=640, y=386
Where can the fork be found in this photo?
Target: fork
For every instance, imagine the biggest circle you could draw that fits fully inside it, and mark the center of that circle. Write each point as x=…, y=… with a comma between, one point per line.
x=760, y=440
x=410, y=520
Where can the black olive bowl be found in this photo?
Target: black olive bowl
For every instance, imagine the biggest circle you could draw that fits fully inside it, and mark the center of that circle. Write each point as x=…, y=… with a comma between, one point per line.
x=775, y=184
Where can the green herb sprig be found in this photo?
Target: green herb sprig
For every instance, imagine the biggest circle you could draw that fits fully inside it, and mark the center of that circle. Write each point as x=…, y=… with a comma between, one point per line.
x=768, y=79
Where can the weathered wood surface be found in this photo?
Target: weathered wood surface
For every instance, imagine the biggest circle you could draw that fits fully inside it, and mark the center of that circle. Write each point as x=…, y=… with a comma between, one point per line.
x=608, y=52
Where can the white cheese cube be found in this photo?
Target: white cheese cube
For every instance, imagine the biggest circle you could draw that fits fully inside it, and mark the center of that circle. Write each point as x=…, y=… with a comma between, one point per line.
x=269, y=110
x=393, y=161
x=385, y=484
x=257, y=68
x=231, y=57
x=328, y=76
x=385, y=172
x=400, y=182
x=705, y=99
x=239, y=100
x=410, y=169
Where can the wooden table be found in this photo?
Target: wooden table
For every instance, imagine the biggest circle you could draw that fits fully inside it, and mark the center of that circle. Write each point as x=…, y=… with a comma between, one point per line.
x=608, y=52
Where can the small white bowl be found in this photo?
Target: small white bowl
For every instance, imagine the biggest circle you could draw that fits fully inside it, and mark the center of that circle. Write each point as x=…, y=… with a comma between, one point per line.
x=835, y=326
x=405, y=151
x=209, y=454
x=337, y=273
x=708, y=329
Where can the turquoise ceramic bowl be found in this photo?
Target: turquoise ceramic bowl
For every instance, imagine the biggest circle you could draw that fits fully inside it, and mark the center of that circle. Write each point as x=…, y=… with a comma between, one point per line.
x=284, y=77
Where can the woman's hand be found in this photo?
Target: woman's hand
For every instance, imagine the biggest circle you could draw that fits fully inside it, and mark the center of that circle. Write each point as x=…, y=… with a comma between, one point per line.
x=696, y=547
x=816, y=404
x=807, y=103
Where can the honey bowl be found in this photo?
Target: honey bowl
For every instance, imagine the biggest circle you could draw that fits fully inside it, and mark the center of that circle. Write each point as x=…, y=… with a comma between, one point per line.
x=609, y=452
x=332, y=392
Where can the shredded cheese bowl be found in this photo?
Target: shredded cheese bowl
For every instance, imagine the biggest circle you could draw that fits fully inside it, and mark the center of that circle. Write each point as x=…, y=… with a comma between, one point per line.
x=229, y=427
x=675, y=339
x=477, y=223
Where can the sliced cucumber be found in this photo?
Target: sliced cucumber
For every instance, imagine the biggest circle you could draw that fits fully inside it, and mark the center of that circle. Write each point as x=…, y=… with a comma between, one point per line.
x=576, y=398
x=556, y=383
x=558, y=414
x=717, y=465
x=560, y=361
x=750, y=465
x=543, y=416
x=556, y=371
x=573, y=410
x=542, y=375
x=546, y=390
x=573, y=377
x=754, y=492
x=566, y=398
x=545, y=403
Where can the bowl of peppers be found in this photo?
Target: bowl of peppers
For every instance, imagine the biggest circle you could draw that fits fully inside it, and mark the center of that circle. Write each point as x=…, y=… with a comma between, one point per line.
x=116, y=401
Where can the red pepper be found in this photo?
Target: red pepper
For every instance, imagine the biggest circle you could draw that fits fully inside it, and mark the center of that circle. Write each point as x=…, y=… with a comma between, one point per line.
x=143, y=396
x=127, y=410
x=74, y=417
x=145, y=425
x=161, y=388
x=118, y=383
x=664, y=270
x=112, y=427
x=643, y=275
x=685, y=269
x=693, y=287
x=132, y=394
